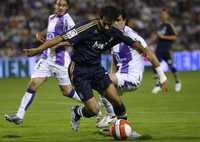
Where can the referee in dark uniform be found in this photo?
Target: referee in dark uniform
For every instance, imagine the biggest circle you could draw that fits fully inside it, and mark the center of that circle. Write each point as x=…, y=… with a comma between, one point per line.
x=166, y=35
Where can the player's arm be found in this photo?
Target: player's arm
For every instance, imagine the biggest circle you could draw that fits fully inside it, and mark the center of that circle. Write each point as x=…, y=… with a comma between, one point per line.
x=113, y=65
x=65, y=44
x=153, y=59
x=113, y=71
x=166, y=37
x=69, y=38
x=44, y=46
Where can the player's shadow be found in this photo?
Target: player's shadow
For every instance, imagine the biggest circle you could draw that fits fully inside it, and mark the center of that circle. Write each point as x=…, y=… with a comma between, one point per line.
x=11, y=136
x=145, y=137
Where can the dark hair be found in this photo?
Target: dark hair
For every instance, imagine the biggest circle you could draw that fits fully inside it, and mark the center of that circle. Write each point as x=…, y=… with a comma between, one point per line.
x=110, y=13
x=67, y=1
x=122, y=12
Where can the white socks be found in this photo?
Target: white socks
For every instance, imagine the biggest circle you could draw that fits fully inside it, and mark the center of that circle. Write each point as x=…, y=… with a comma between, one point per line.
x=74, y=95
x=25, y=103
x=108, y=106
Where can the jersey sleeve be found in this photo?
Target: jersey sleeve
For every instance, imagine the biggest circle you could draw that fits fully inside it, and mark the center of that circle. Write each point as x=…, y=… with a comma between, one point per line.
x=70, y=22
x=79, y=32
x=72, y=36
x=137, y=37
x=171, y=29
x=122, y=37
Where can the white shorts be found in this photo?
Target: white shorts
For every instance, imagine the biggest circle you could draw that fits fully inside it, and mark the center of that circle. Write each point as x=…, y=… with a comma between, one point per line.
x=128, y=82
x=45, y=68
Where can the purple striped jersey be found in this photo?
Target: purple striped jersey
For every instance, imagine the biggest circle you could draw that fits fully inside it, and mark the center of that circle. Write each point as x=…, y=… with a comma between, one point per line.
x=128, y=59
x=58, y=26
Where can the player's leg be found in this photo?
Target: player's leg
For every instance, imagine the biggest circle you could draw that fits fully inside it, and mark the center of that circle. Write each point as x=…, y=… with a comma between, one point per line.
x=157, y=87
x=91, y=107
x=40, y=73
x=110, y=114
x=124, y=82
x=169, y=61
x=69, y=91
x=112, y=95
x=83, y=87
x=109, y=117
x=64, y=82
x=108, y=106
x=103, y=84
x=26, y=101
x=118, y=106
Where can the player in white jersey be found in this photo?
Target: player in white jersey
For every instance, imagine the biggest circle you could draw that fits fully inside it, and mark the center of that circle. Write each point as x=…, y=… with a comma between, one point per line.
x=127, y=69
x=53, y=62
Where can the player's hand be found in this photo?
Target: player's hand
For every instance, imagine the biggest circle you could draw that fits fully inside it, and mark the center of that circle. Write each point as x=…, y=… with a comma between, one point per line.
x=164, y=86
x=40, y=37
x=159, y=35
x=31, y=52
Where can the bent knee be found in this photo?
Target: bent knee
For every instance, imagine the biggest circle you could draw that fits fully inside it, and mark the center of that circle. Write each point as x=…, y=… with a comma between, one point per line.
x=66, y=90
x=36, y=82
x=33, y=85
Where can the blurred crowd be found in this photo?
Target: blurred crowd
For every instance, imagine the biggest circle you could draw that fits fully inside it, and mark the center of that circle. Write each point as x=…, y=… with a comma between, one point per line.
x=21, y=19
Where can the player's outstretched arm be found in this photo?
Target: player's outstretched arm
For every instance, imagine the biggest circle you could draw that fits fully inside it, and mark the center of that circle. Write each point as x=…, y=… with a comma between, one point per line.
x=51, y=43
x=153, y=59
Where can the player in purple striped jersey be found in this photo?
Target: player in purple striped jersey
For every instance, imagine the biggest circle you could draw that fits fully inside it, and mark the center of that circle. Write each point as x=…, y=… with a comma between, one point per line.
x=53, y=62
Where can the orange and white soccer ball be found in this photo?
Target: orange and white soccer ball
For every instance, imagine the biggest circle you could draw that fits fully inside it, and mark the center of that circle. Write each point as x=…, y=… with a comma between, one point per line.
x=121, y=129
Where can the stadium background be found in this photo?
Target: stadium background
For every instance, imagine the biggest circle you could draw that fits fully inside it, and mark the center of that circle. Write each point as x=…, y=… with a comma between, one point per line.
x=21, y=19
x=168, y=118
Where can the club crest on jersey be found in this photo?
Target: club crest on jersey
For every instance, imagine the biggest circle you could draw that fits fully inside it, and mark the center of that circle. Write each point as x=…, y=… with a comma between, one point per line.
x=49, y=36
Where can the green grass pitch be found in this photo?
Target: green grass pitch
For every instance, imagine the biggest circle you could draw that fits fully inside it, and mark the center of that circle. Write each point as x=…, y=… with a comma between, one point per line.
x=167, y=118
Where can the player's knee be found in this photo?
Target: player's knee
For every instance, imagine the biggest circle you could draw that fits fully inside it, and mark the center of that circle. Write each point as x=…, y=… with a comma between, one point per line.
x=66, y=90
x=66, y=93
x=33, y=85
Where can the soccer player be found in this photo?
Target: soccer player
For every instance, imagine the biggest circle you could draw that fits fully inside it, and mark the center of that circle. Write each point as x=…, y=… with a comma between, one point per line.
x=53, y=62
x=166, y=35
x=89, y=41
x=126, y=69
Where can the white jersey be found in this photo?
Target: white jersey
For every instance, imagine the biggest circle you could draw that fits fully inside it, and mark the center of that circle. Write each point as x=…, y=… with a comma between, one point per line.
x=57, y=26
x=129, y=62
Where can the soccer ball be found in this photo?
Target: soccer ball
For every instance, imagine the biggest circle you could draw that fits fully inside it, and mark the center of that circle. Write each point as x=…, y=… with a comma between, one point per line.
x=121, y=129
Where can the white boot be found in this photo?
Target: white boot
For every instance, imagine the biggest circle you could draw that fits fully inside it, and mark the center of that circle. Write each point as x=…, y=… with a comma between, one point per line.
x=178, y=86
x=156, y=89
x=106, y=121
